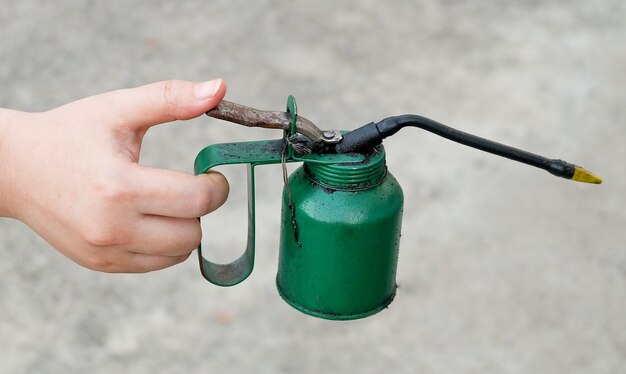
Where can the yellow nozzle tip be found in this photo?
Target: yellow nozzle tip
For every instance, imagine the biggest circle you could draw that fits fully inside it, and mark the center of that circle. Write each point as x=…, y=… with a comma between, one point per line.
x=583, y=175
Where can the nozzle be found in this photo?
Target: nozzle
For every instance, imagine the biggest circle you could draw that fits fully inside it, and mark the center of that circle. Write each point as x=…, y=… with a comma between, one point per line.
x=566, y=170
x=368, y=136
x=583, y=175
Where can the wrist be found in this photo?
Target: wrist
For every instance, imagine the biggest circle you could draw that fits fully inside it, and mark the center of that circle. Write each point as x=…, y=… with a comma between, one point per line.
x=7, y=119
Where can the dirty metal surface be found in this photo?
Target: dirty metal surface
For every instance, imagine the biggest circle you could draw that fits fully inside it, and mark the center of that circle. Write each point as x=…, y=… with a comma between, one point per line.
x=251, y=117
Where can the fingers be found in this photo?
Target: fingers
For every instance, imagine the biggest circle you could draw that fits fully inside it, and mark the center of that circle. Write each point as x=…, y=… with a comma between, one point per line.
x=155, y=103
x=166, y=236
x=176, y=194
x=156, y=243
x=143, y=263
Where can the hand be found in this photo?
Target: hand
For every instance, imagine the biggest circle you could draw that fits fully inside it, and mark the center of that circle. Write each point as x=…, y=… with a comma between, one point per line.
x=72, y=175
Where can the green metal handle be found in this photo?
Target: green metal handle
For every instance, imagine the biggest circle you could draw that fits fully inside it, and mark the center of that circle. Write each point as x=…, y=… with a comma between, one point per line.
x=255, y=153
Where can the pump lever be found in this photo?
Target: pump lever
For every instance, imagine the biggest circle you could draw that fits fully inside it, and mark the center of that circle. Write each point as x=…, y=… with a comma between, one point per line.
x=251, y=117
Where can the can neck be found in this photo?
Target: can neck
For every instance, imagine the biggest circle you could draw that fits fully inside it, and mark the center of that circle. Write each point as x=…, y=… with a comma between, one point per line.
x=354, y=176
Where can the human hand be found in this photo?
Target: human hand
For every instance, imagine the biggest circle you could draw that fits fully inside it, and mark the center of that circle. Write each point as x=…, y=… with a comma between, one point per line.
x=72, y=175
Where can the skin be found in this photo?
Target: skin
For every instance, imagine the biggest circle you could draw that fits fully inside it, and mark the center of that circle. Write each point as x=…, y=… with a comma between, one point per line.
x=72, y=174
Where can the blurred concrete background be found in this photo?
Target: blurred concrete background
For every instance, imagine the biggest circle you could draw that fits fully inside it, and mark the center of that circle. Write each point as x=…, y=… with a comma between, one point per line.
x=503, y=268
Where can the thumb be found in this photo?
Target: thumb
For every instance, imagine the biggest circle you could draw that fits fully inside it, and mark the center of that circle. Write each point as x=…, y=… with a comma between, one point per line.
x=164, y=101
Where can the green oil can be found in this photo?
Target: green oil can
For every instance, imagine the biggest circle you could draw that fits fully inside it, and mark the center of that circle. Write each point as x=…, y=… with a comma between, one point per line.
x=341, y=210
x=342, y=262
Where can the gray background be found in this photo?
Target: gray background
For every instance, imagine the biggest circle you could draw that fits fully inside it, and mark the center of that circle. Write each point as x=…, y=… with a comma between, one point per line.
x=503, y=268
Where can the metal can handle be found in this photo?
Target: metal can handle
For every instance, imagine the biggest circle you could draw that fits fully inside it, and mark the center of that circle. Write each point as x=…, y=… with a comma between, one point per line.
x=252, y=153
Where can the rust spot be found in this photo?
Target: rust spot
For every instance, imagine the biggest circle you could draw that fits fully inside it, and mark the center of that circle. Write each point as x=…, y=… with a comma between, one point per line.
x=223, y=318
x=152, y=43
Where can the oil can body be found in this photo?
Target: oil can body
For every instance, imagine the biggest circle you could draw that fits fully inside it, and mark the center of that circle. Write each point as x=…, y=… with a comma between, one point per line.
x=339, y=261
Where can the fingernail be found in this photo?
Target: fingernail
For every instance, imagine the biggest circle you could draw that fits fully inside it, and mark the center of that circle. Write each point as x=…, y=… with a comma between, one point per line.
x=206, y=90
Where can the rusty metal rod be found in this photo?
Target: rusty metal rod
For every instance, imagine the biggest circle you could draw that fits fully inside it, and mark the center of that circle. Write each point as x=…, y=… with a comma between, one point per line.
x=251, y=117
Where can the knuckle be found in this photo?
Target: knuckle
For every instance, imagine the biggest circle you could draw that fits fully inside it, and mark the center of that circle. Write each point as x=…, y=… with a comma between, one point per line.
x=111, y=190
x=110, y=199
x=101, y=233
x=203, y=201
x=169, y=94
